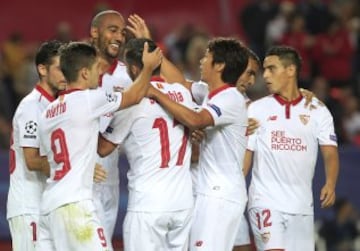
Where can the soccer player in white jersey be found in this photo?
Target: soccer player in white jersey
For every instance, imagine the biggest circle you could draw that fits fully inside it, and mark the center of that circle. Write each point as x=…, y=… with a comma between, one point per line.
x=221, y=191
x=26, y=164
x=108, y=36
x=68, y=220
x=158, y=150
x=284, y=149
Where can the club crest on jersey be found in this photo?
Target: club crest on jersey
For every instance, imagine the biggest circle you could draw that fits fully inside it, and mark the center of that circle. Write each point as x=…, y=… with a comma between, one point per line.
x=304, y=118
x=265, y=237
x=30, y=128
x=216, y=109
x=111, y=97
x=118, y=88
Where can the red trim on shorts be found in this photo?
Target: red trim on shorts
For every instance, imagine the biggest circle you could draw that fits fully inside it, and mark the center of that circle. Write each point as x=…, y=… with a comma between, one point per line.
x=157, y=79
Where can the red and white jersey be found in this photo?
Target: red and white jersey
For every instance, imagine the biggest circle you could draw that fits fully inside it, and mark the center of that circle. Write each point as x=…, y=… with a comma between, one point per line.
x=68, y=129
x=115, y=79
x=158, y=150
x=26, y=186
x=285, y=152
x=222, y=151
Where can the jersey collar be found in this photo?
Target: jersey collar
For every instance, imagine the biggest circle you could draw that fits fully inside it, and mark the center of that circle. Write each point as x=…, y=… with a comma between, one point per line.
x=69, y=91
x=282, y=101
x=109, y=71
x=44, y=93
x=157, y=79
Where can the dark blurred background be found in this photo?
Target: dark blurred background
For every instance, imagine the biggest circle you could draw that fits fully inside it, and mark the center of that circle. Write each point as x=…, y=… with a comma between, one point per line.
x=325, y=32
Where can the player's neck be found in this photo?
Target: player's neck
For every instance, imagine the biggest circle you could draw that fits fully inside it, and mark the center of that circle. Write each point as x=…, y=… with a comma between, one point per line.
x=47, y=88
x=290, y=93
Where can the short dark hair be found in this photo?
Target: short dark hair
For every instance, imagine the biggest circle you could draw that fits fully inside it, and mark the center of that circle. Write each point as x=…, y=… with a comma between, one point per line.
x=134, y=49
x=95, y=22
x=233, y=54
x=287, y=55
x=253, y=56
x=47, y=51
x=75, y=56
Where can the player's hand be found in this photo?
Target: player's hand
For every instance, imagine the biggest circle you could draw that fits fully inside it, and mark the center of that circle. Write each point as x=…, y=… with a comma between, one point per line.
x=138, y=27
x=100, y=173
x=308, y=95
x=253, y=124
x=197, y=136
x=152, y=92
x=327, y=196
x=151, y=59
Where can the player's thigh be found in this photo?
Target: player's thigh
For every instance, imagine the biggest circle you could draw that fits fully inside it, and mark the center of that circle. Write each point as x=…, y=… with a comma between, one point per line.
x=243, y=233
x=76, y=226
x=145, y=231
x=24, y=232
x=268, y=227
x=45, y=241
x=300, y=233
x=215, y=223
x=179, y=230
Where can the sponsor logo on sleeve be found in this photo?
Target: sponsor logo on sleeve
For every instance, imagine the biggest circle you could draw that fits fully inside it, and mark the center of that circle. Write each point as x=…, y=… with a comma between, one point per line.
x=216, y=109
x=30, y=129
x=333, y=137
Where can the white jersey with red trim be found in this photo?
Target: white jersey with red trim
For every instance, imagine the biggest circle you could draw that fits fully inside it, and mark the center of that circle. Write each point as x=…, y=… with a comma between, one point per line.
x=158, y=151
x=26, y=186
x=115, y=79
x=222, y=151
x=67, y=129
x=285, y=152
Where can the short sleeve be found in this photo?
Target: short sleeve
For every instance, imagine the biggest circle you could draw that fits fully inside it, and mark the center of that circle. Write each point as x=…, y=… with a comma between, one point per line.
x=225, y=107
x=199, y=91
x=27, y=121
x=120, y=125
x=252, y=138
x=102, y=103
x=325, y=128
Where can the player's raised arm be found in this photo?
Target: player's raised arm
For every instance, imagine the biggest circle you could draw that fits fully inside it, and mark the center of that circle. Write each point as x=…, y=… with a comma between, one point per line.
x=137, y=26
x=138, y=89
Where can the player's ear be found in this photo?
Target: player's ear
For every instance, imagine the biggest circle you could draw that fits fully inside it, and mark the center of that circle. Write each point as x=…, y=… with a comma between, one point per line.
x=94, y=32
x=84, y=73
x=42, y=70
x=219, y=67
x=135, y=71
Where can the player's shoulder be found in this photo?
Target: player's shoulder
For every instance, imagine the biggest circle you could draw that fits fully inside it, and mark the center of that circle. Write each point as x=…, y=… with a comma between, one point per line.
x=262, y=101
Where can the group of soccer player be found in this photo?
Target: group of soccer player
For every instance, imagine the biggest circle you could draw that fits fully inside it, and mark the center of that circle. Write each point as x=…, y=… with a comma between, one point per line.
x=87, y=106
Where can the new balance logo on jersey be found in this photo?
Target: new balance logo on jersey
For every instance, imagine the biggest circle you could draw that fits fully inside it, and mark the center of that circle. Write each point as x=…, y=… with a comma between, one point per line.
x=304, y=118
x=109, y=129
x=198, y=243
x=216, y=109
x=272, y=118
